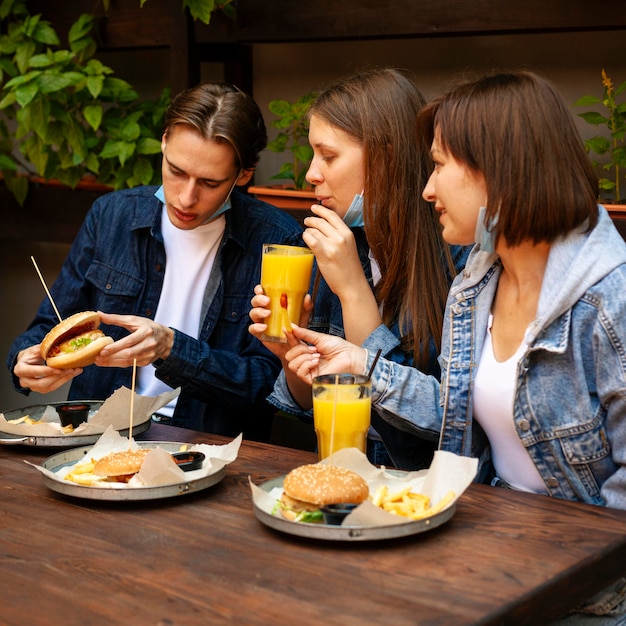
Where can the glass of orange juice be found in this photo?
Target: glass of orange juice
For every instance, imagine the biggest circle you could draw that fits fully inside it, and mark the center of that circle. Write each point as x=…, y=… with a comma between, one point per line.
x=341, y=412
x=285, y=278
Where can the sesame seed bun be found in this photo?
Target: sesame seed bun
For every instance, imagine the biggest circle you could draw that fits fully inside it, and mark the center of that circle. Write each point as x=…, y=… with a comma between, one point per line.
x=309, y=487
x=125, y=463
x=74, y=342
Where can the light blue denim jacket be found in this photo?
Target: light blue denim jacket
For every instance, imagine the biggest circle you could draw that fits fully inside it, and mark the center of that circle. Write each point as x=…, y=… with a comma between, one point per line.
x=570, y=399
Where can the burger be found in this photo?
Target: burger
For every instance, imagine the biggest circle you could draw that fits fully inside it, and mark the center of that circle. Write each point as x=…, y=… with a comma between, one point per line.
x=74, y=342
x=309, y=487
x=120, y=466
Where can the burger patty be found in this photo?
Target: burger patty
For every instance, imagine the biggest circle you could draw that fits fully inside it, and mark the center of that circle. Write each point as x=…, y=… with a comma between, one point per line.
x=75, y=343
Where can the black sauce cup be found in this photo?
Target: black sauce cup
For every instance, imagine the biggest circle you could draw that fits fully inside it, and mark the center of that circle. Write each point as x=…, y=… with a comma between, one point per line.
x=73, y=414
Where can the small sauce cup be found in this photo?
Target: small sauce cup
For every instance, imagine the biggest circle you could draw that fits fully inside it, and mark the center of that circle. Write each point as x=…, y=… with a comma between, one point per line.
x=334, y=514
x=188, y=461
x=73, y=414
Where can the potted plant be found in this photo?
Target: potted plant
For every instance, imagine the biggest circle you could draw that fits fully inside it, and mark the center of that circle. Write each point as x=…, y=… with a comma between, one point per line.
x=610, y=146
x=293, y=126
x=65, y=116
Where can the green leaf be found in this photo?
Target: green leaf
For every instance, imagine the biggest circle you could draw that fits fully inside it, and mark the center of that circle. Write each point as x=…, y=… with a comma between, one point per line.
x=94, y=85
x=586, y=101
x=93, y=115
x=26, y=93
x=142, y=171
x=80, y=28
x=148, y=145
x=45, y=34
x=594, y=118
x=7, y=163
x=303, y=153
x=18, y=186
x=599, y=145
x=23, y=55
x=51, y=82
x=200, y=9
x=130, y=131
x=92, y=163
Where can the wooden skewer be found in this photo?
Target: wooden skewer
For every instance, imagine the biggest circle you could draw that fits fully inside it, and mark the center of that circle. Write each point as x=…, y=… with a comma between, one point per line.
x=132, y=402
x=43, y=282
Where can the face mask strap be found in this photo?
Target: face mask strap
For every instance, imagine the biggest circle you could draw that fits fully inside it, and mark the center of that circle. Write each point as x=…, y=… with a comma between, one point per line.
x=227, y=203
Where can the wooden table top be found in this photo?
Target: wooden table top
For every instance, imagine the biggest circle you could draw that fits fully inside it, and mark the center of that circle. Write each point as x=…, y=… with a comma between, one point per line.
x=203, y=558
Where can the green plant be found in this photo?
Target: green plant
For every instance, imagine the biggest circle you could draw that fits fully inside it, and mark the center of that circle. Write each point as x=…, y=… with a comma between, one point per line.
x=293, y=124
x=199, y=9
x=64, y=114
x=612, y=147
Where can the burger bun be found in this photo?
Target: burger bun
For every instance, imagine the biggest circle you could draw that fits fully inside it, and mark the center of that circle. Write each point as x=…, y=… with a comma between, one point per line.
x=309, y=487
x=121, y=465
x=74, y=342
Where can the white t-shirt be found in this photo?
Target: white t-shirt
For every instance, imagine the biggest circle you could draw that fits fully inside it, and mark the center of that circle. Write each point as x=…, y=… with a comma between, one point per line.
x=493, y=399
x=189, y=260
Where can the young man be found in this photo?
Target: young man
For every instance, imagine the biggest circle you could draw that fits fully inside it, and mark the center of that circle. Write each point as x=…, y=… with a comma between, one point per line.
x=171, y=269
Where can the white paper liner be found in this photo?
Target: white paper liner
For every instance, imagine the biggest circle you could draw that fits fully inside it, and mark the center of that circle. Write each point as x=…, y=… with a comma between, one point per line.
x=115, y=411
x=158, y=468
x=447, y=472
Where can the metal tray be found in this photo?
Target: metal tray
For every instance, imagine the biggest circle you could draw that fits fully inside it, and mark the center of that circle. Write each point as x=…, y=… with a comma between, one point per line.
x=70, y=457
x=62, y=441
x=348, y=533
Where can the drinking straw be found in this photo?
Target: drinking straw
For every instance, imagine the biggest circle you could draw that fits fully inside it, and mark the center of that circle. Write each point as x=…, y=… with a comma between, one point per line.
x=371, y=370
x=43, y=282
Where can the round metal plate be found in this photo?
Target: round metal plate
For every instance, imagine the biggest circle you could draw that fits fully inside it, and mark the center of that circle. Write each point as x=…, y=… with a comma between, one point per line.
x=62, y=441
x=348, y=533
x=70, y=457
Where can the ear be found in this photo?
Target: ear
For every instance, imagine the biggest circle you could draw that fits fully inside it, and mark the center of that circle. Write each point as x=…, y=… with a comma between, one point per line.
x=163, y=142
x=244, y=177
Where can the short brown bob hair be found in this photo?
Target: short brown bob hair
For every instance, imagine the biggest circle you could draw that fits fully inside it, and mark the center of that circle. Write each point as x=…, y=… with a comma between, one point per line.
x=516, y=130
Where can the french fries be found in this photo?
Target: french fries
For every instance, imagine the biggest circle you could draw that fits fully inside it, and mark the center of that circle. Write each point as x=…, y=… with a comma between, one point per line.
x=409, y=504
x=25, y=419
x=82, y=473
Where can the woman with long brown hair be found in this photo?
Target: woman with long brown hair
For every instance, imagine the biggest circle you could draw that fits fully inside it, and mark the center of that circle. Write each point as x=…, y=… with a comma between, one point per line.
x=377, y=243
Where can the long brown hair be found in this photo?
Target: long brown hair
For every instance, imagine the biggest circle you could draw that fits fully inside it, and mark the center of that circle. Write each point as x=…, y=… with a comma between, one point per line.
x=379, y=108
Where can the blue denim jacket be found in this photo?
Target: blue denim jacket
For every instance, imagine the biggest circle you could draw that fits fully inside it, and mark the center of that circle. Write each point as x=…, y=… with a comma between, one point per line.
x=570, y=400
x=117, y=264
x=404, y=448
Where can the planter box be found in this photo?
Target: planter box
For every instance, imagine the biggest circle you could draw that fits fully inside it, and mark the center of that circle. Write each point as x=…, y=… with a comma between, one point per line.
x=296, y=203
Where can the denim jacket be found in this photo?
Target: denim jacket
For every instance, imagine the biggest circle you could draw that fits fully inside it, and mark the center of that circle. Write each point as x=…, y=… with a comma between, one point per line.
x=116, y=265
x=570, y=397
x=405, y=449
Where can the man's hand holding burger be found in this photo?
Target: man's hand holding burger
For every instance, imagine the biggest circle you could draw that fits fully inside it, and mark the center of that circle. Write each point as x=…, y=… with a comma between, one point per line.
x=147, y=341
x=34, y=374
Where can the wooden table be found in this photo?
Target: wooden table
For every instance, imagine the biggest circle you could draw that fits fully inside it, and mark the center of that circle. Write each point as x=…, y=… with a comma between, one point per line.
x=204, y=558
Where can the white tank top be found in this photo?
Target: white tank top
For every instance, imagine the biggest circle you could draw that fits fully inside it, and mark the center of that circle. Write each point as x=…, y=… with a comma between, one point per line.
x=189, y=260
x=493, y=398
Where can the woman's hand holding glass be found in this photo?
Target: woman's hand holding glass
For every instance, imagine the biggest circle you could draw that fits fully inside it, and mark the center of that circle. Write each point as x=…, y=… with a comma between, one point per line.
x=261, y=311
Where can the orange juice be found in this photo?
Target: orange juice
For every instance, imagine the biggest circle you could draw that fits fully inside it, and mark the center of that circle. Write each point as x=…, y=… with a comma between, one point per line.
x=285, y=278
x=350, y=402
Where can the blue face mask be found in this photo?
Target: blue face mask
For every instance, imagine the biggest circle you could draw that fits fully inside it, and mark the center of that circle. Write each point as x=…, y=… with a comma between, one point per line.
x=354, y=215
x=225, y=207
x=485, y=236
